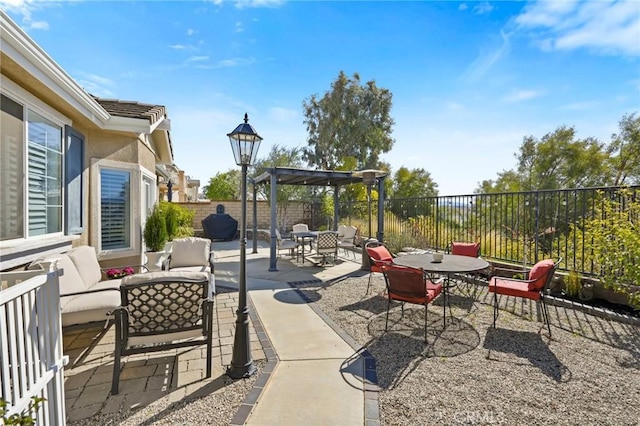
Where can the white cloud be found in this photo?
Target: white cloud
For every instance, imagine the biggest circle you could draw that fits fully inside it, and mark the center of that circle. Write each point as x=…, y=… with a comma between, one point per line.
x=96, y=85
x=483, y=63
x=239, y=27
x=243, y=4
x=191, y=32
x=607, y=27
x=482, y=8
x=282, y=115
x=463, y=6
x=580, y=106
x=522, y=95
x=198, y=59
x=25, y=8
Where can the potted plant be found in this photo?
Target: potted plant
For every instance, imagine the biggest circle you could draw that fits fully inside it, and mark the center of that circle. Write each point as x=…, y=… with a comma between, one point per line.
x=155, y=236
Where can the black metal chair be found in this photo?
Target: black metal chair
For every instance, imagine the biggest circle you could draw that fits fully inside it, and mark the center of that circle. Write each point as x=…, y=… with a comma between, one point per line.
x=161, y=311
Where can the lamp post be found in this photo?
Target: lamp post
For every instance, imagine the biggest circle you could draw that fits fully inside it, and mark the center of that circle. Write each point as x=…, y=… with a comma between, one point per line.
x=244, y=143
x=169, y=190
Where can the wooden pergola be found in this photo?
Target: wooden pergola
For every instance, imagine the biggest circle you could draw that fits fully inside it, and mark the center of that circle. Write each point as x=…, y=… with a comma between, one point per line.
x=275, y=176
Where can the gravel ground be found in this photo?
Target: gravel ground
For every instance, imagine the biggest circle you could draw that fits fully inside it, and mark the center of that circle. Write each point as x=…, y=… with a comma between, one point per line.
x=471, y=373
x=217, y=408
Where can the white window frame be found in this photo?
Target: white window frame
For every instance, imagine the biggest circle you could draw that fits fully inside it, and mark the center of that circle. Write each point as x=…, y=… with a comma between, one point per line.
x=135, y=213
x=30, y=102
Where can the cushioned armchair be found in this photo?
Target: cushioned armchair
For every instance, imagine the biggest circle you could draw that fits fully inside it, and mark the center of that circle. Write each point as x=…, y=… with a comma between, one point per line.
x=160, y=311
x=378, y=255
x=532, y=287
x=192, y=254
x=409, y=285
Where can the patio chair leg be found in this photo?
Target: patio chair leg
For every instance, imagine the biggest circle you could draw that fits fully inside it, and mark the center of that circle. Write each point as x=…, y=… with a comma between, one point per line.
x=369, y=283
x=386, y=323
x=426, y=311
x=545, y=314
x=495, y=308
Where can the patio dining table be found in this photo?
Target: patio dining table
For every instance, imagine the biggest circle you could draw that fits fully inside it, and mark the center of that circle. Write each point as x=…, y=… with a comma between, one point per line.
x=304, y=238
x=449, y=265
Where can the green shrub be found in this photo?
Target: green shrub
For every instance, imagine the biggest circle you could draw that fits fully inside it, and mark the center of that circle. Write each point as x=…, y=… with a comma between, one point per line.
x=614, y=243
x=155, y=230
x=573, y=284
x=179, y=220
x=27, y=417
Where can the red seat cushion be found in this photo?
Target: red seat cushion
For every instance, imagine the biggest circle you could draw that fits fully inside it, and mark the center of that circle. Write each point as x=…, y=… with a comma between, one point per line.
x=465, y=249
x=509, y=287
x=539, y=273
x=379, y=256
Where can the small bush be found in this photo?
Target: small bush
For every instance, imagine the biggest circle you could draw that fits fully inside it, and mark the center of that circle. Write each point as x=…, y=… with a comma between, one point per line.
x=155, y=230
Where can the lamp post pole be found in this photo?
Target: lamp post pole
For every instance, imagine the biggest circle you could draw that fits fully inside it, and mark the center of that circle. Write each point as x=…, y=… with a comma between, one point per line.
x=244, y=142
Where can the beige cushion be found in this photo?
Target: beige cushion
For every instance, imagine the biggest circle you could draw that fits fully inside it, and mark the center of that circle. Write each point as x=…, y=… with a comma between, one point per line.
x=84, y=257
x=190, y=252
x=165, y=276
x=197, y=268
x=70, y=280
x=90, y=307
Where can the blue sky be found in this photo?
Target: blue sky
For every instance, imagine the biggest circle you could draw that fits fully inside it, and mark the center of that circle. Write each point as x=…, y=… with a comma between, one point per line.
x=469, y=79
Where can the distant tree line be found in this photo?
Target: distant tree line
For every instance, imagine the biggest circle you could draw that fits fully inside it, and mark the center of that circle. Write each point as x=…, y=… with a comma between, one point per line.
x=350, y=127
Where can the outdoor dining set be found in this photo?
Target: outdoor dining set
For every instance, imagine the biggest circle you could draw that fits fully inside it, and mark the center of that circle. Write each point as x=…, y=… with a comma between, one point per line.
x=322, y=246
x=421, y=278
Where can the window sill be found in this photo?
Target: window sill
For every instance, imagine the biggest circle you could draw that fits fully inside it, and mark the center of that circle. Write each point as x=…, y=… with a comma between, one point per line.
x=22, y=252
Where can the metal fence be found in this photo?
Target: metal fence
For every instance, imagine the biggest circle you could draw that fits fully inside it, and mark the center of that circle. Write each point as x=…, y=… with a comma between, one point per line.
x=513, y=227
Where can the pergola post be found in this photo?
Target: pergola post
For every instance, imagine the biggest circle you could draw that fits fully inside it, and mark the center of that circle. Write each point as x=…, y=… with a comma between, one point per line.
x=255, y=218
x=336, y=207
x=380, y=234
x=273, y=259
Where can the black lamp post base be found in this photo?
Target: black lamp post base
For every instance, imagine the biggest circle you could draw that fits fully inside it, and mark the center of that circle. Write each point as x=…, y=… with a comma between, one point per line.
x=241, y=372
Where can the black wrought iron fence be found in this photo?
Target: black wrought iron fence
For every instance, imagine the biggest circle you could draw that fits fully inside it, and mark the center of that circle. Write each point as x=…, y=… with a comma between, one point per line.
x=515, y=227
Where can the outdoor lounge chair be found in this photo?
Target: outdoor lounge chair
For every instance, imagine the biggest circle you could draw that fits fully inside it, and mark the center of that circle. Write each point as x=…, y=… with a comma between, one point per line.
x=160, y=311
x=192, y=254
x=347, y=239
x=286, y=244
x=409, y=285
x=533, y=287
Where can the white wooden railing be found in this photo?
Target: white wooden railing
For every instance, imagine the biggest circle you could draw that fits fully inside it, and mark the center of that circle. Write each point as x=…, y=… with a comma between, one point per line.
x=31, y=360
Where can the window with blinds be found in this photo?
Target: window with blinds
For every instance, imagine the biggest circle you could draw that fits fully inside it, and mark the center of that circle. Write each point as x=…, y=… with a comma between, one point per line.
x=115, y=207
x=45, y=175
x=11, y=169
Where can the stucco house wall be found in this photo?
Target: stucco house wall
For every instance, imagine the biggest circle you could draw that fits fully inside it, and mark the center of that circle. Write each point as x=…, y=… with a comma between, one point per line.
x=135, y=139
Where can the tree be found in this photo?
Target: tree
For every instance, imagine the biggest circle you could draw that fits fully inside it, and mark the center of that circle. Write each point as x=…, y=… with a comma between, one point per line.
x=556, y=161
x=413, y=184
x=625, y=151
x=280, y=156
x=349, y=120
x=223, y=186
